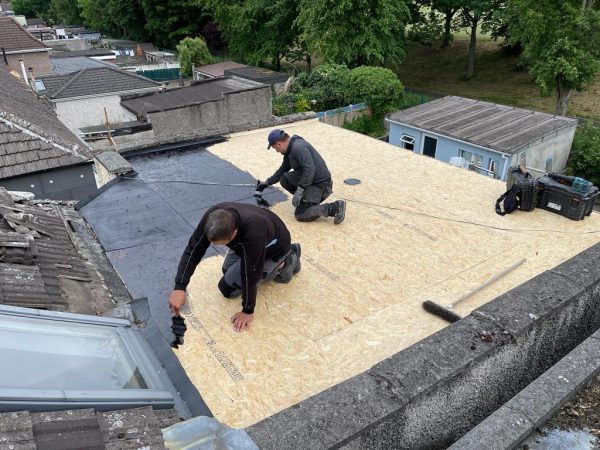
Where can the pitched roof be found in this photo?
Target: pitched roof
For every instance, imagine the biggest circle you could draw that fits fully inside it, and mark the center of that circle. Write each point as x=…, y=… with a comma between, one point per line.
x=14, y=37
x=31, y=136
x=208, y=91
x=498, y=127
x=93, y=81
x=65, y=66
x=218, y=69
x=85, y=428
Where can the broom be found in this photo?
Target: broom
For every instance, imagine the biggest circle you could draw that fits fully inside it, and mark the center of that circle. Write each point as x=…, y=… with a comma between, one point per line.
x=447, y=314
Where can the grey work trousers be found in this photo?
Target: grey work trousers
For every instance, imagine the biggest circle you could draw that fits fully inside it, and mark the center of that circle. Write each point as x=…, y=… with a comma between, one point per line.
x=310, y=208
x=231, y=283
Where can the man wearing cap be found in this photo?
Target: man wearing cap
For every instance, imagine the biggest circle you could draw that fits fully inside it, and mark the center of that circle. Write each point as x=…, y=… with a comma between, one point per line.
x=304, y=174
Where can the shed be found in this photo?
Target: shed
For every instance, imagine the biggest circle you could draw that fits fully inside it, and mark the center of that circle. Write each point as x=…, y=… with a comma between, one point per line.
x=484, y=137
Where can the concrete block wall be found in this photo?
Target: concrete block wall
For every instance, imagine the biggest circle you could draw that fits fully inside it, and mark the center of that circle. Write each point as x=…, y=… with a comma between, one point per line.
x=39, y=61
x=430, y=394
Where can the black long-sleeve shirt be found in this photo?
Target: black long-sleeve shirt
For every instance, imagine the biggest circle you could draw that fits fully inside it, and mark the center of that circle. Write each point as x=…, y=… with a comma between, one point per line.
x=261, y=235
x=305, y=161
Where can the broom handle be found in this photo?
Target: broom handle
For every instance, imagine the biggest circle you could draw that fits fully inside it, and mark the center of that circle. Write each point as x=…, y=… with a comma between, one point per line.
x=487, y=283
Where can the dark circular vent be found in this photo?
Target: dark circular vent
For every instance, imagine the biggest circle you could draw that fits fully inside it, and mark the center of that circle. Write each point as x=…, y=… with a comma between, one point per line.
x=352, y=181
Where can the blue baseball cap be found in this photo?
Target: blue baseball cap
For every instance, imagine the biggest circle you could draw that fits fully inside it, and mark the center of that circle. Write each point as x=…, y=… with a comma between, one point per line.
x=274, y=136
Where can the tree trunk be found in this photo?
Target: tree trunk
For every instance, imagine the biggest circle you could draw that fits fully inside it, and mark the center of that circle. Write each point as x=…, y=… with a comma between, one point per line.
x=472, y=46
x=447, y=30
x=562, y=97
x=277, y=62
x=309, y=62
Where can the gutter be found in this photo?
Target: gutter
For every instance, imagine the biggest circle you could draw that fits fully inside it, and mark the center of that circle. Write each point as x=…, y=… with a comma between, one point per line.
x=83, y=97
x=32, y=50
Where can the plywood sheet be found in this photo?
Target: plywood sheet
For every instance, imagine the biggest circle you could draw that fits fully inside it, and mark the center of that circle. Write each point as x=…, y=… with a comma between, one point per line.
x=415, y=229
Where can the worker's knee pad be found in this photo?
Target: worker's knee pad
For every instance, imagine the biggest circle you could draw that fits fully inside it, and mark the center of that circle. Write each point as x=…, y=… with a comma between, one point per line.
x=227, y=290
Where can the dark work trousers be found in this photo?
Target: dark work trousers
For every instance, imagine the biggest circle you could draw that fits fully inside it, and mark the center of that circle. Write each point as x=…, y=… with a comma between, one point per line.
x=231, y=283
x=310, y=208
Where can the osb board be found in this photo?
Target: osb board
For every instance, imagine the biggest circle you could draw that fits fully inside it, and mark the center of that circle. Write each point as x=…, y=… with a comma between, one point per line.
x=358, y=298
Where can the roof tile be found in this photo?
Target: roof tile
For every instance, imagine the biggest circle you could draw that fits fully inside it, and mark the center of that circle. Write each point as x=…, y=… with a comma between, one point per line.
x=14, y=37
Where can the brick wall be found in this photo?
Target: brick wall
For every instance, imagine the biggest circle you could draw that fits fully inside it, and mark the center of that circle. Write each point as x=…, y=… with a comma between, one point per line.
x=39, y=61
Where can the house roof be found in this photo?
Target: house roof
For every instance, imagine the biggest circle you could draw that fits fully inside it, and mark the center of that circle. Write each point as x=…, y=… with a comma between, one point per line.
x=86, y=428
x=45, y=264
x=498, y=127
x=94, y=81
x=199, y=93
x=77, y=53
x=358, y=299
x=218, y=69
x=65, y=66
x=35, y=21
x=259, y=74
x=31, y=136
x=13, y=37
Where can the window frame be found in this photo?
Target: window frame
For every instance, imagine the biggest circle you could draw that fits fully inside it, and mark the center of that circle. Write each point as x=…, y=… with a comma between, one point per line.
x=407, y=139
x=130, y=337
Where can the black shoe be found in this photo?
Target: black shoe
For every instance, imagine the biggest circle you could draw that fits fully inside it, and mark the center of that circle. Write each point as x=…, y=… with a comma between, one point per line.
x=287, y=272
x=340, y=215
x=297, y=250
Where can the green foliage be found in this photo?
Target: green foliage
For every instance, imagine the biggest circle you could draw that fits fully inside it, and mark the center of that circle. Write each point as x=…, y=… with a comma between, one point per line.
x=31, y=8
x=119, y=18
x=377, y=86
x=354, y=32
x=169, y=21
x=410, y=99
x=256, y=29
x=284, y=104
x=327, y=84
x=193, y=51
x=584, y=160
x=428, y=30
x=561, y=42
x=65, y=12
x=369, y=125
x=302, y=104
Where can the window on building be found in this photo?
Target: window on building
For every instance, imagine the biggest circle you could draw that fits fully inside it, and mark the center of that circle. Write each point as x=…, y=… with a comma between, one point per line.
x=549, y=165
x=408, y=142
x=91, y=360
x=473, y=159
x=493, y=168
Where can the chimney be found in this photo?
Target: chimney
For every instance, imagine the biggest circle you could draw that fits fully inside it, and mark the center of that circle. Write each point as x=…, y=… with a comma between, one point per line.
x=32, y=78
x=23, y=71
x=4, y=56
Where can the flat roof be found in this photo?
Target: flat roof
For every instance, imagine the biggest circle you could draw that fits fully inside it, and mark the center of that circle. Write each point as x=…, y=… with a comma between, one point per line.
x=499, y=127
x=358, y=299
x=203, y=92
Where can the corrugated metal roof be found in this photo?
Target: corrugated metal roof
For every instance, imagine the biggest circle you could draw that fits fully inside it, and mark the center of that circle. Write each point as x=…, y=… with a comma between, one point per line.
x=498, y=127
x=14, y=37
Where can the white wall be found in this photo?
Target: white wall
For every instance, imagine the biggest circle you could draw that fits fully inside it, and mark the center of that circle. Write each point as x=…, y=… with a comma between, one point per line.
x=556, y=147
x=89, y=112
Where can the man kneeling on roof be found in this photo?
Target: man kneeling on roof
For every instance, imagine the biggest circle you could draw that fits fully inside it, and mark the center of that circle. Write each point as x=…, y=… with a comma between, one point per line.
x=304, y=174
x=259, y=249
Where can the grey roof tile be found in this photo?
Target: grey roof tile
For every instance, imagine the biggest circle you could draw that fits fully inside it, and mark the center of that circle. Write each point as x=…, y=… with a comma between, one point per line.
x=14, y=37
x=490, y=125
x=94, y=81
x=65, y=66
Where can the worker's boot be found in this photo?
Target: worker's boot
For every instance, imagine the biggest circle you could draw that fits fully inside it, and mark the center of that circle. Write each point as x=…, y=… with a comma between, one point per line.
x=337, y=210
x=298, y=251
x=287, y=271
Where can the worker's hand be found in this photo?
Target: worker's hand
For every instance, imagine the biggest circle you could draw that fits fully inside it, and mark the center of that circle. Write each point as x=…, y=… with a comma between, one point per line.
x=176, y=301
x=241, y=321
x=261, y=185
x=298, y=196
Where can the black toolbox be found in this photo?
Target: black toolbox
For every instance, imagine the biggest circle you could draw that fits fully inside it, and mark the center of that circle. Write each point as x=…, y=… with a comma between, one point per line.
x=526, y=188
x=556, y=193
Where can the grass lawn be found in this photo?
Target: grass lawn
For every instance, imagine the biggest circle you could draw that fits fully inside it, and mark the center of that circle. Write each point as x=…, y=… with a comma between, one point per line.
x=497, y=77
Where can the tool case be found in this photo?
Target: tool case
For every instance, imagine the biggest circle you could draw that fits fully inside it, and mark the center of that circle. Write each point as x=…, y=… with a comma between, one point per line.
x=567, y=196
x=526, y=188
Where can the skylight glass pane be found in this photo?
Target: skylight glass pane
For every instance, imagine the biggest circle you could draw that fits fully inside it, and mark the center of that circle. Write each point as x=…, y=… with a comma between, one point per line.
x=44, y=354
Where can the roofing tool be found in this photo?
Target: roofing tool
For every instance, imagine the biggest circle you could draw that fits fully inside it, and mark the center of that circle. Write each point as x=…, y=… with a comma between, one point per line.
x=179, y=328
x=258, y=196
x=446, y=312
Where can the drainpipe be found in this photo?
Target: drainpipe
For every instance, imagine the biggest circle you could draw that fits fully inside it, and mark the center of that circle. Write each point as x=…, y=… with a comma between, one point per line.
x=32, y=78
x=23, y=71
x=506, y=164
x=4, y=56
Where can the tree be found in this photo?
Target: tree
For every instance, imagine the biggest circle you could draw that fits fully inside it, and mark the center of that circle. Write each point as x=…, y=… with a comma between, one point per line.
x=584, y=160
x=355, y=32
x=169, y=21
x=193, y=51
x=448, y=8
x=377, y=86
x=475, y=13
x=31, y=8
x=256, y=30
x=561, y=45
x=65, y=12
